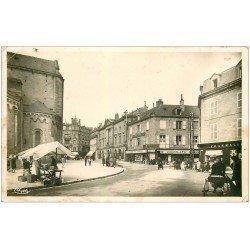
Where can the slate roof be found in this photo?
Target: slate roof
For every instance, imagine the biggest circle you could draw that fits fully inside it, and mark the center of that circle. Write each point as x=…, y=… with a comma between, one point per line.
x=30, y=62
x=169, y=111
x=38, y=107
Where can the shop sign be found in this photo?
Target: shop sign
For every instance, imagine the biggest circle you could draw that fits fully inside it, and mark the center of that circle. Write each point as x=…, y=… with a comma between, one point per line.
x=177, y=152
x=136, y=152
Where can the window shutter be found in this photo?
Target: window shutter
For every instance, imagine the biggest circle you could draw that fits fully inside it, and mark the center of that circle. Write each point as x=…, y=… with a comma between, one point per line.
x=147, y=125
x=157, y=139
x=174, y=124
x=184, y=124
x=183, y=140
x=167, y=141
x=174, y=140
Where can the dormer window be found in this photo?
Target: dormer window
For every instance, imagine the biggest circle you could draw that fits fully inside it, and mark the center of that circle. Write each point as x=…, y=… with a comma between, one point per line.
x=215, y=81
x=178, y=111
x=138, y=118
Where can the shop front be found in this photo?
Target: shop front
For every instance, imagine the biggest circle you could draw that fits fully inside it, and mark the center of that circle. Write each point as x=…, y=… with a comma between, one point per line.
x=137, y=156
x=177, y=155
x=224, y=150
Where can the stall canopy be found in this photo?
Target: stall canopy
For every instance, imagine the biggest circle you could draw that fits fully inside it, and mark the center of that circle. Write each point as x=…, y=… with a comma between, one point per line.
x=90, y=153
x=46, y=148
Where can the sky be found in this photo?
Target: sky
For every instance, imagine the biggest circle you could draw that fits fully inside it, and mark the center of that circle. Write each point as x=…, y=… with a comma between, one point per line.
x=102, y=81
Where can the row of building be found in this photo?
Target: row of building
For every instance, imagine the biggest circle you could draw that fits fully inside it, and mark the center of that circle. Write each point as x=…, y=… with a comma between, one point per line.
x=35, y=90
x=178, y=132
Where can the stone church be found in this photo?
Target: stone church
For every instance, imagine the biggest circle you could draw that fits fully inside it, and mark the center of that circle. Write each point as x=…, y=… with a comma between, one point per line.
x=34, y=102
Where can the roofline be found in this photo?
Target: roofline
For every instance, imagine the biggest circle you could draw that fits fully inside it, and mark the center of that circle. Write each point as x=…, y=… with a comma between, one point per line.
x=221, y=88
x=223, y=71
x=35, y=70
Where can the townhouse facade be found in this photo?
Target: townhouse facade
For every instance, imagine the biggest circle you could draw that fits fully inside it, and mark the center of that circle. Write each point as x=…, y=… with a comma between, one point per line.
x=76, y=137
x=167, y=131
x=220, y=103
x=170, y=132
x=112, y=135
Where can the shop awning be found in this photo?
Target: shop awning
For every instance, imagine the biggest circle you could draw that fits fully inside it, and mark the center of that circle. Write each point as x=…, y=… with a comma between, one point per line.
x=214, y=152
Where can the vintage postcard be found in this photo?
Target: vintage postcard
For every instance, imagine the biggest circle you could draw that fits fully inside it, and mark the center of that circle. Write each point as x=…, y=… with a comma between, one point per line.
x=124, y=124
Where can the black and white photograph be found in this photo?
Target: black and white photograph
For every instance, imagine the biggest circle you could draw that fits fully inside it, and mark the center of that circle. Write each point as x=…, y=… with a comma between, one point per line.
x=125, y=124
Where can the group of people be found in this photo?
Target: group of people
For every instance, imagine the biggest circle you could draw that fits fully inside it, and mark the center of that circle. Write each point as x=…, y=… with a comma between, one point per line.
x=107, y=161
x=31, y=165
x=87, y=160
x=219, y=169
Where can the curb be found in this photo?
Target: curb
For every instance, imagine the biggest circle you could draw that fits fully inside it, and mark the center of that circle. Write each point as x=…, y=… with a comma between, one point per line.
x=10, y=192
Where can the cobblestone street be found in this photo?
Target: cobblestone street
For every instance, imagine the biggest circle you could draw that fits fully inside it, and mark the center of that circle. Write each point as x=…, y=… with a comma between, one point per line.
x=137, y=180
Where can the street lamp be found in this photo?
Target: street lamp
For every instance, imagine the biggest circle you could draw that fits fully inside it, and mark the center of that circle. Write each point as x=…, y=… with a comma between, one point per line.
x=191, y=134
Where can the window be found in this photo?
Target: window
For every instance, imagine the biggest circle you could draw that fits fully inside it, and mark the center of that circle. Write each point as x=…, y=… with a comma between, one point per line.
x=178, y=124
x=213, y=131
x=162, y=138
x=119, y=138
x=130, y=130
x=115, y=140
x=195, y=124
x=195, y=140
x=215, y=81
x=239, y=126
x=162, y=124
x=177, y=140
x=178, y=111
x=37, y=137
x=239, y=100
x=138, y=141
x=138, y=128
x=214, y=108
x=147, y=126
x=146, y=139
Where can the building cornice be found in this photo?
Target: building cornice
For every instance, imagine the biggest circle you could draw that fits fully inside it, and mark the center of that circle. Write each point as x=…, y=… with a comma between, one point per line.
x=221, y=88
x=35, y=70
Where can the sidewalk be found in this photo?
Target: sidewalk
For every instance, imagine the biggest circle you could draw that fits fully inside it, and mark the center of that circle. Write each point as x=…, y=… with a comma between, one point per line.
x=73, y=171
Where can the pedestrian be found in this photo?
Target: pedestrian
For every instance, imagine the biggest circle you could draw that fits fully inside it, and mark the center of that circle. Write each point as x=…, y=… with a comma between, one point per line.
x=86, y=160
x=13, y=164
x=159, y=162
x=89, y=161
x=35, y=169
x=198, y=166
x=218, y=169
x=183, y=165
x=107, y=161
x=103, y=160
x=114, y=163
x=236, y=166
x=53, y=165
x=207, y=166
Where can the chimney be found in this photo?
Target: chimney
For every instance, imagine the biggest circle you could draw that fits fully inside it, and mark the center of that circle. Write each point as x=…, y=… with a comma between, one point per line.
x=72, y=120
x=145, y=106
x=182, y=102
x=116, y=116
x=153, y=105
x=159, y=103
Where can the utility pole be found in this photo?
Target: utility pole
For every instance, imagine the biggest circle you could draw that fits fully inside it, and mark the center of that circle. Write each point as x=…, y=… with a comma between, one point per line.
x=191, y=133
